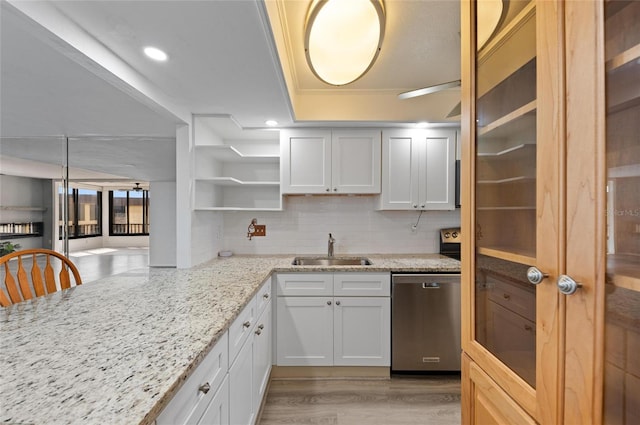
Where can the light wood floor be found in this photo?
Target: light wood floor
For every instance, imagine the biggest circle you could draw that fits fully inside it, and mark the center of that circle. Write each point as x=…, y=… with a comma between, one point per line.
x=398, y=401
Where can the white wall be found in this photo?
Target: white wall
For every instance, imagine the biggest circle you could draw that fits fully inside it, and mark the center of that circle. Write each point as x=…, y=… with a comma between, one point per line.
x=162, y=217
x=304, y=225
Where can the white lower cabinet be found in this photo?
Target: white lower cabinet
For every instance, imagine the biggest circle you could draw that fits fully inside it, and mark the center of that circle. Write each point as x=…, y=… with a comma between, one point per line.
x=262, y=356
x=361, y=331
x=241, y=404
x=332, y=330
x=229, y=384
x=217, y=412
x=191, y=401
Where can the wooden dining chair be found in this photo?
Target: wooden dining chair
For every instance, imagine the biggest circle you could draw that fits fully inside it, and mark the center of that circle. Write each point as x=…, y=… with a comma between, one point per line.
x=42, y=281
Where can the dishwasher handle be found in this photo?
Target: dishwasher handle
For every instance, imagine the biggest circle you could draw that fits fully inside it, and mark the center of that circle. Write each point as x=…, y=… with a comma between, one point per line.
x=430, y=285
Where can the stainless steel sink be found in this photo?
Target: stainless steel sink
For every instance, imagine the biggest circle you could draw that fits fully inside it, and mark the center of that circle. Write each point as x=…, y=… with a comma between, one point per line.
x=334, y=261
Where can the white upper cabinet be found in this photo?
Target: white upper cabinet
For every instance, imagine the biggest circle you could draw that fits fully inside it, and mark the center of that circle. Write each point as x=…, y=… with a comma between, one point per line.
x=330, y=162
x=418, y=169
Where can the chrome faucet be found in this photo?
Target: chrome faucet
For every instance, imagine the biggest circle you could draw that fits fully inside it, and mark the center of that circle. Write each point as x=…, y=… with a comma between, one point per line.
x=330, y=249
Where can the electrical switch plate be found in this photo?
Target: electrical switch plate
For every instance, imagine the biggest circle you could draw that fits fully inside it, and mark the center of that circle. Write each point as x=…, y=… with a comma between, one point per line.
x=260, y=230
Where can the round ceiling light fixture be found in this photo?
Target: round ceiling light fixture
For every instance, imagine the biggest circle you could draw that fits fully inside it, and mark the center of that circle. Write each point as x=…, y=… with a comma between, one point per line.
x=342, y=38
x=155, y=54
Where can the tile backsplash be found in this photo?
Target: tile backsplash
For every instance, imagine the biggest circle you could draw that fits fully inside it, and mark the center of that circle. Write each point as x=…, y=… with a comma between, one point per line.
x=304, y=226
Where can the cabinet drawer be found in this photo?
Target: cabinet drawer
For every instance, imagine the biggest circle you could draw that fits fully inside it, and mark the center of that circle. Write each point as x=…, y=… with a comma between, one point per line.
x=362, y=284
x=241, y=328
x=190, y=402
x=513, y=298
x=263, y=297
x=305, y=284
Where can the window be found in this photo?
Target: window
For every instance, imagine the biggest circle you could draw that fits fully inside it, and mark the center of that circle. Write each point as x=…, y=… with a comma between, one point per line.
x=85, y=213
x=128, y=212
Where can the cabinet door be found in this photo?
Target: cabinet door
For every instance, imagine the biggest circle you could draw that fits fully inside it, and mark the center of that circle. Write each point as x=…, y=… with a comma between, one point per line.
x=602, y=374
x=437, y=170
x=355, y=161
x=362, y=331
x=305, y=331
x=241, y=387
x=512, y=185
x=305, y=161
x=399, y=171
x=217, y=412
x=262, y=349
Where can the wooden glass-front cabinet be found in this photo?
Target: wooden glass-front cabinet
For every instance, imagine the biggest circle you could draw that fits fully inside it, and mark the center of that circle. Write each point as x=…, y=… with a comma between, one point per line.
x=551, y=211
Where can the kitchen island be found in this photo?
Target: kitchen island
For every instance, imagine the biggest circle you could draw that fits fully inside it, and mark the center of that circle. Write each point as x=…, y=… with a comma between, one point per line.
x=118, y=349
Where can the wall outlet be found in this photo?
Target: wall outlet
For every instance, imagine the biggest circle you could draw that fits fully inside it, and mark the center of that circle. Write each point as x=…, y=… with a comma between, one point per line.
x=260, y=230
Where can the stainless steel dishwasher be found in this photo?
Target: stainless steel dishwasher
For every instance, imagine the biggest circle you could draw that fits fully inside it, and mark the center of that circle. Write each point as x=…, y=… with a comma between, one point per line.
x=425, y=322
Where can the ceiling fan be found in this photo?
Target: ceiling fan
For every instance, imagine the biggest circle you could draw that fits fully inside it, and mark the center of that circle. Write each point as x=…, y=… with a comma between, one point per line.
x=434, y=89
x=137, y=188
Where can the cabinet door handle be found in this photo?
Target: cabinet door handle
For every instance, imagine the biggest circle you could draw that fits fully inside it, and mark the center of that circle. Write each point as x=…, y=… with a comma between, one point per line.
x=328, y=302
x=506, y=296
x=528, y=327
x=328, y=190
x=535, y=276
x=567, y=285
x=335, y=189
x=204, y=388
x=265, y=296
x=258, y=331
x=337, y=302
x=415, y=205
x=260, y=326
x=246, y=324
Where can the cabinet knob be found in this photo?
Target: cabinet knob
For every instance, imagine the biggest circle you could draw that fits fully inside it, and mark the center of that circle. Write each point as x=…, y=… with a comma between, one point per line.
x=265, y=296
x=567, y=285
x=422, y=206
x=335, y=189
x=528, y=328
x=260, y=326
x=337, y=302
x=328, y=190
x=204, y=388
x=535, y=276
x=328, y=302
x=246, y=324
x=506, y=296
x=258, y=331
x=415, y=205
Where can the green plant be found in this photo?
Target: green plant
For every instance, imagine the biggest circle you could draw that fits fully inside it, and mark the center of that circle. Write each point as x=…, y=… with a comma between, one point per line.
x=8, y=248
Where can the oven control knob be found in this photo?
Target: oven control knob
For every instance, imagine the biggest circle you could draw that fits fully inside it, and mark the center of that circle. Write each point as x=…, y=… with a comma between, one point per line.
x=447, y=234
x=454, y=235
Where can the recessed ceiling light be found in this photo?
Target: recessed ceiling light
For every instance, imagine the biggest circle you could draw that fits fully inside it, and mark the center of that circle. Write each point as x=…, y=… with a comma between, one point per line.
x=155, y=54
x=271, y=123
x=422, y=124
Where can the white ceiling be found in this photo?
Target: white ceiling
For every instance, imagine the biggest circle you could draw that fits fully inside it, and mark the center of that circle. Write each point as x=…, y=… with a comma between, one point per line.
x=75, y=68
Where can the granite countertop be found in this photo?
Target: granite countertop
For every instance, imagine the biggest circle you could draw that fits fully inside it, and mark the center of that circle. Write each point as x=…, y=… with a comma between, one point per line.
x=116, y=350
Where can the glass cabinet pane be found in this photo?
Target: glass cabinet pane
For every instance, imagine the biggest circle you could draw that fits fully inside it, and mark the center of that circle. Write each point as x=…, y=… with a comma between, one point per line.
x=622, y=314
x=505, y=183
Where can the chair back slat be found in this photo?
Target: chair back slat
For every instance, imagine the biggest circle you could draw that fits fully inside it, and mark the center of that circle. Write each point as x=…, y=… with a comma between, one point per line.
x=49, y=277
x=15, y=294
x=36, y=278
x=23, y=280
x=10, y=283
x=65, y=282
x=4, y=300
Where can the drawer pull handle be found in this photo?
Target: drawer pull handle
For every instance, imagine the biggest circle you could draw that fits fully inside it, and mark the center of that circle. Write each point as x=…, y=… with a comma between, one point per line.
x=260, y=326
x=204, y=388
x=246, y=324
x=528, y=327
x=265, y=296
x=506, y=296
x=337, y=302
x=328, y=302
x=258, y=331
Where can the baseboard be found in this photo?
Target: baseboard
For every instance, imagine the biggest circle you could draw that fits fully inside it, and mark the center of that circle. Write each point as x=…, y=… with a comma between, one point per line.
x=330, y=372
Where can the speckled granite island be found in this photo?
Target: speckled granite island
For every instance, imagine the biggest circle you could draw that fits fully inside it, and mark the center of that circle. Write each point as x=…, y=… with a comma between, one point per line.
x=117, y=350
